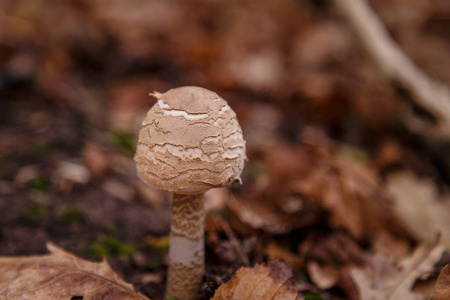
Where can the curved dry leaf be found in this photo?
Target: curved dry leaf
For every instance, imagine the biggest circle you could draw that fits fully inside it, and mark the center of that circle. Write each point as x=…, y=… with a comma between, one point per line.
x=389, y=282
x=262, y=282
x=61, y=275
x=442, y=288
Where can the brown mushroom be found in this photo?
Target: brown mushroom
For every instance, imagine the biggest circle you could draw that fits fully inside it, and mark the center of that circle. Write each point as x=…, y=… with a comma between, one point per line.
x=190, y=142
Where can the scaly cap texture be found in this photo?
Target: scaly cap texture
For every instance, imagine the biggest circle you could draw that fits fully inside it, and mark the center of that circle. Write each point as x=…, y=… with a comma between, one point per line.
x=190, y=141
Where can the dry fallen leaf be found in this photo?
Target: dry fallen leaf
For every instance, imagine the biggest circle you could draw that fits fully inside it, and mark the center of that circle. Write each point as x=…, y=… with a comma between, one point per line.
x=323, y=276
x=442, y=288
x=61, y=275
x=420, y=207
x=387, y=281
x=262, y=282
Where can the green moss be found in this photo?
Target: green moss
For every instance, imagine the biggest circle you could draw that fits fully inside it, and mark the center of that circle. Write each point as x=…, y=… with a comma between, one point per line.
x=158, y=243
x=157, y=263
x=256, y=170
x=111, y=246
x=39, y=184
x=353, y=154
x=73, y=214
x=124, y=140
x=43, y=148
x=36, y=211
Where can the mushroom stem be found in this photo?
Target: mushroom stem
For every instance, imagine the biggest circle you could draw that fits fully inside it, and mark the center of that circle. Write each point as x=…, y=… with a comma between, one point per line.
x=186, y=250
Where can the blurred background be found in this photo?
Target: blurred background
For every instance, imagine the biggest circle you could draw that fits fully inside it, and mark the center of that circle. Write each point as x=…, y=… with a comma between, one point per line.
x=331, y=161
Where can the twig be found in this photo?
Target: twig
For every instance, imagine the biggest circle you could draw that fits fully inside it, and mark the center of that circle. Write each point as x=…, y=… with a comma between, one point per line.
x=428, y=94
x=234, y=242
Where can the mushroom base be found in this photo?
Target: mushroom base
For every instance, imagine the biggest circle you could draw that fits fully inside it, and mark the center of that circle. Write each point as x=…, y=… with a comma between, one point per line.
x=186, y=250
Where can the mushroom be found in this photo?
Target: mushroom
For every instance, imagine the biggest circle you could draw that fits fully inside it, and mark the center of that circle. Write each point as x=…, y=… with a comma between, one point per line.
x=190, y=142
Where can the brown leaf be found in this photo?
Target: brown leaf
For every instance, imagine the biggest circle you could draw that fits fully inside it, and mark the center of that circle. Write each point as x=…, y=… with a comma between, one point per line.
x=275, y=252
x=61, y=275
x=442, y=288
x=270, y=281
x=388, y=282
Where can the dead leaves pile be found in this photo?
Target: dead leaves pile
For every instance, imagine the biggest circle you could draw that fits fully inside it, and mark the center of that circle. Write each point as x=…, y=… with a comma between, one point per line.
x=61, y=275
x=318, y=177
x=322, y=182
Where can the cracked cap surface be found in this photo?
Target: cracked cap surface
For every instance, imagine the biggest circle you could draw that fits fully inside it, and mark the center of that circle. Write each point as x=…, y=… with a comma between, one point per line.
x=190, y=141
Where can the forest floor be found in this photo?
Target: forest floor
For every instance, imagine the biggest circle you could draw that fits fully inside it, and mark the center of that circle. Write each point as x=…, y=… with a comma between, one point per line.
x=335, y=178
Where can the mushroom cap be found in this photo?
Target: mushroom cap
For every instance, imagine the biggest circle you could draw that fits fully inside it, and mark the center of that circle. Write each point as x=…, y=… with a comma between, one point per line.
x=190, y=142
